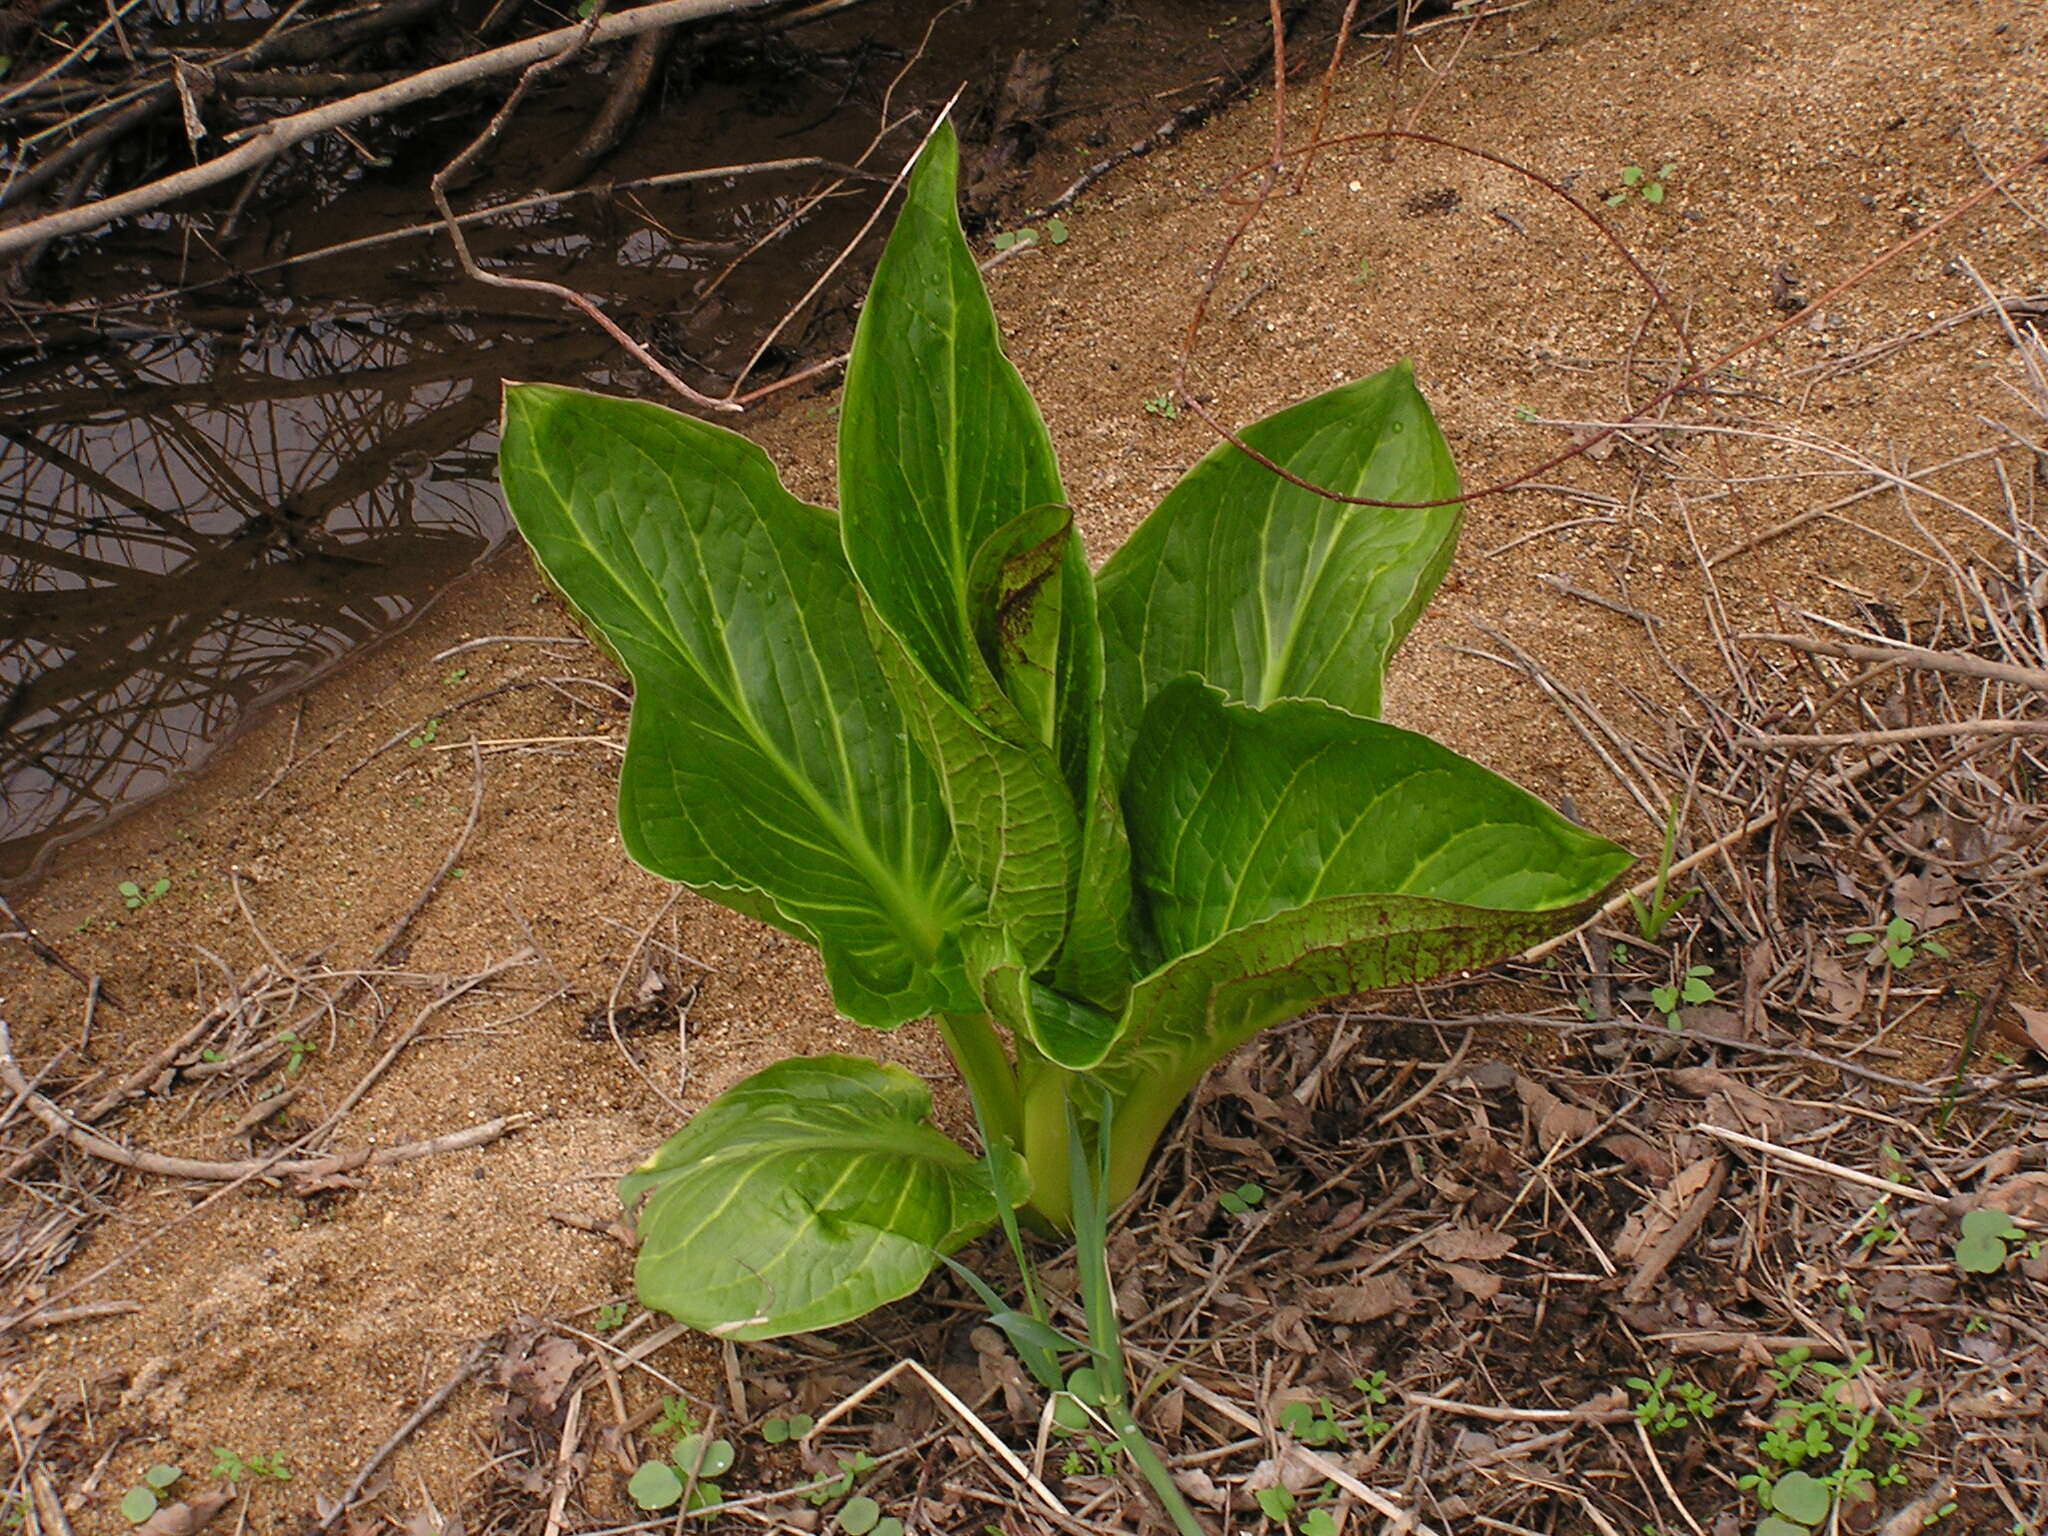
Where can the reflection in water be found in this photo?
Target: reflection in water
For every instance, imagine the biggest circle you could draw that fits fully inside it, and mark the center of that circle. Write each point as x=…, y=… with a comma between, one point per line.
x=189, y=523
x=296, y=454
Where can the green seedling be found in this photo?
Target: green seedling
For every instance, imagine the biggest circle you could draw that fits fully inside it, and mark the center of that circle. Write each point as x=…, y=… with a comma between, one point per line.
x=1276, y=1504
x=1653, y=919
x=135, y=897
x=862, y=1516
x=1240, y=1200
x=780, y=1431
x=654, y=1485
x=234, y=1468
x=687, y=1477
x=456, y=676
x=1692, y=988
x=142, y=1500
x=1023, y=239
x=1983, y=1247
x=925, y=736
x=1369, y=1425
x=851, y=1470
x=1637, y=182
x=1163, y=406
x=426, y=735
x=297, y=1049
x=1816, y=1457
x=1882, y=1232
x=1662, y=1406
x=1314, y=1424
x=1899, y=945
x=609, y=1316
x=674, y=1421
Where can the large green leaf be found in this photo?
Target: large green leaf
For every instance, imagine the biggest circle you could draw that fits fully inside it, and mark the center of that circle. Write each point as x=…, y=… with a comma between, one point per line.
x=1297, y=853
x=956, y=528
x=1270, y=591
x=767, y=764
x=805, y=1196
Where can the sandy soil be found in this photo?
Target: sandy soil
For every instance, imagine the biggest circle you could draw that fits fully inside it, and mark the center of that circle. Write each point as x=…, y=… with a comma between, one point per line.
x=1802, y=138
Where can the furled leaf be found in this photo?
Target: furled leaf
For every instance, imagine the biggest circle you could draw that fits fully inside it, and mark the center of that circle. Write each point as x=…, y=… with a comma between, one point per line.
x=1096, y=960
x=956, y=528
x=805, y=1196
x=767, y=764
x=1270, y=591
x=1298, y=853
x=1069, y=1031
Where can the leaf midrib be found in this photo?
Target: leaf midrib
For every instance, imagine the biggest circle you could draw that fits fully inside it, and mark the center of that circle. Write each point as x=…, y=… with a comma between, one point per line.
x=895, y=897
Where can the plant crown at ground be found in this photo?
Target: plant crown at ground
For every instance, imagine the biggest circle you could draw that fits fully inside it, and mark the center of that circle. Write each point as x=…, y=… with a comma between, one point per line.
x=1102, y=827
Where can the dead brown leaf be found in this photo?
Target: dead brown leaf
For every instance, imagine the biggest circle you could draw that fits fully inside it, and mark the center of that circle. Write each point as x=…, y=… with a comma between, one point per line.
x=1479, y=1284
x=1731, y=1104
x=1927, y=901
x=185, y=1516
x=1555, y=1121
x=2023, y=1197
x=539, y=1368
x=1648, y=1159
x=1289, y=1329
x=1455, y=1243
x=2036, y=1021
x=1373, y=1298
x=1648, y=1223
x=1843, y=987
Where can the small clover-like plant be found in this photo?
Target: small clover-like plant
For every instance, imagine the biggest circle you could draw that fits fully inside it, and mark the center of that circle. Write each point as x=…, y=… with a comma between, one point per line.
x=1315, y=1424
x=687, y=1477
x=1637, y=182
x=862, y=1516
x=1662, y=1405
x=142, y=1500
x=780, y=1430
x=1694, y=987
x=1373, y=1390
x=852, y=1468
x=1012, y=239
x=1276, y=1504
x=1982, y=1249
x=1239, y=1201
x=1898, y=944
x=135, y=896
x=1101, y=827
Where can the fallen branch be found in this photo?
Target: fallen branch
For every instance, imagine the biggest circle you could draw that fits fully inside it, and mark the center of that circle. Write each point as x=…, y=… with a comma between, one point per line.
x=93, y=1144
x=472, y=1357
x=1962, y=664
x=259, y=145
x=1937, y=732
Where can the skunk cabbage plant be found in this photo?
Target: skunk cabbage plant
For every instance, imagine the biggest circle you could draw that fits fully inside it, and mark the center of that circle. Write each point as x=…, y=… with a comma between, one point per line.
x=1102, y=827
